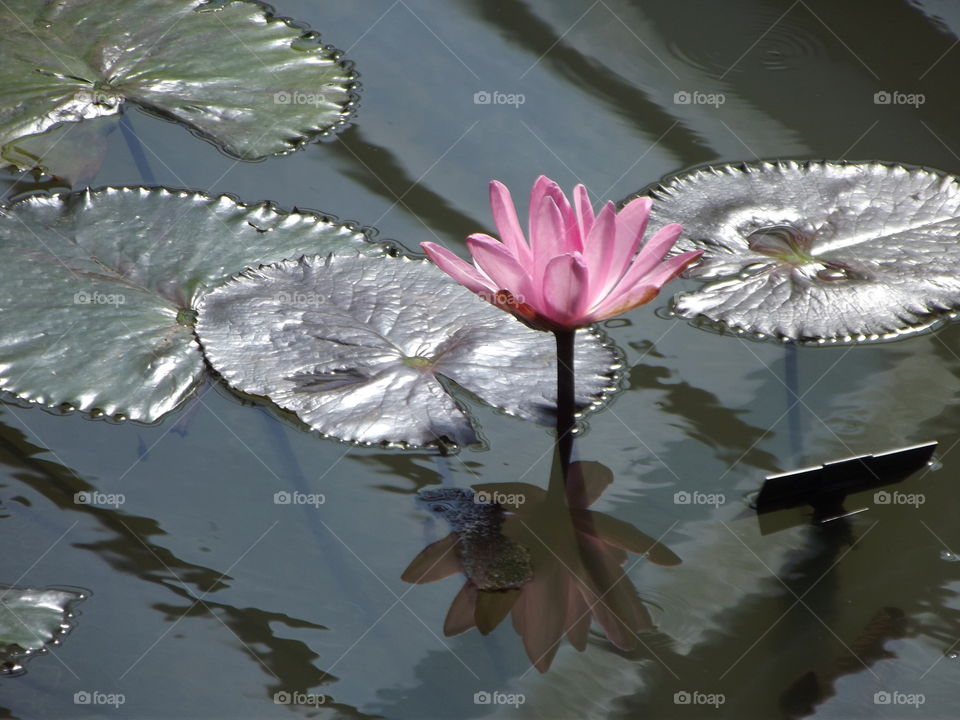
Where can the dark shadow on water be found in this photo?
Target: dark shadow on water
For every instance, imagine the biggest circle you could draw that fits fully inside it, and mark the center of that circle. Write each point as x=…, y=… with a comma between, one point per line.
x=132, y=547
x=719, y=427
x=520, y=24
x=380, y=172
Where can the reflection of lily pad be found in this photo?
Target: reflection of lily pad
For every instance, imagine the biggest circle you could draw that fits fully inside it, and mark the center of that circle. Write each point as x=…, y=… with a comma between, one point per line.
x=818, y=252
x=71, y=151
x=100, y=288
x=30, y=621
x=356, y=348
x=253, y=83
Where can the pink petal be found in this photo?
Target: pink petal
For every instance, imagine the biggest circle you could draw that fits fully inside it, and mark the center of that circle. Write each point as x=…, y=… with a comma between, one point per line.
x=505, y=218
x=496, y=260
x=649, y=257
x=547, y=240
x=631, y=225
x=618, y=303
x=537, y=193
x=654, y=250
x=581, y=200
x=459, y=269
x=565, y=284
x=669, y=269
x=610, y=261
x=569, y=235
x=598, y=251
x=625, y=297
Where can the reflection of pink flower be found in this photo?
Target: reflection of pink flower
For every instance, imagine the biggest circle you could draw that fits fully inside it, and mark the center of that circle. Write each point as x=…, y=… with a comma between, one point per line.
x=577, y=268
x=576, y=556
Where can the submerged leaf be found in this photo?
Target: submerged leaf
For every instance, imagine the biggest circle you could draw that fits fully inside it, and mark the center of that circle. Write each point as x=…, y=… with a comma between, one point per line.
x=356, y=348
x=818, y=252
x=100, y=289
x=253, y=83
x=31, y=620
x=71, y=151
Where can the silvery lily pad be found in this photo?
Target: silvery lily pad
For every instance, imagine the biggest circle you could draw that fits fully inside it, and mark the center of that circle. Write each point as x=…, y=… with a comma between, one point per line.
x=253, y=83
x=357, y=347
x=818, y=252
x=30, y=621
x=99, y=289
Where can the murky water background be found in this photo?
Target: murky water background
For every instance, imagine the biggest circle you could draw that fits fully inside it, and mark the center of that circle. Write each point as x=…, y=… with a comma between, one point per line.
x=208, y=598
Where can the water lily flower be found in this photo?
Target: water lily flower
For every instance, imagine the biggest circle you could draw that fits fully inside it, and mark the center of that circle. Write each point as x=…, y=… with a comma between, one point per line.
x=577, y=268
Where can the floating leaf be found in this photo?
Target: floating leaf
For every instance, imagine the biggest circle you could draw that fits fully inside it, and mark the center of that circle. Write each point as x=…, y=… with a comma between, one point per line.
x=253, y=83
x=818, y=252
x=100, y=289
x=356, y=348
x=30, y=621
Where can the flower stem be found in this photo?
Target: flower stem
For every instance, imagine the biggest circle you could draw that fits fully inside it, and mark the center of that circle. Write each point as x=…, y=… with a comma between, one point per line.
x=566, y=397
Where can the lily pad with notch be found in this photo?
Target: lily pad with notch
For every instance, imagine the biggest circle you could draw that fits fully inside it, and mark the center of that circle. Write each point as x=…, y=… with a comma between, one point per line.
x=818, y=252
x=253, y=83
x=100, y=289
x=361, y=349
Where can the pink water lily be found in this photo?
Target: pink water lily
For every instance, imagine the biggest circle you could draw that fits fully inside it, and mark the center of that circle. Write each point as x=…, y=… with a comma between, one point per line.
x=578, y=267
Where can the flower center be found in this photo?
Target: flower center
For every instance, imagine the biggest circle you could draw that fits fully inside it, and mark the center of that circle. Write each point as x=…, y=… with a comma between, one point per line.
x=418, y=361
x=786, y=243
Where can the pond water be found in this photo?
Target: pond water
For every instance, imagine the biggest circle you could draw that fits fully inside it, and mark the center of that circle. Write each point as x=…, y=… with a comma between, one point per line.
x=207, y=598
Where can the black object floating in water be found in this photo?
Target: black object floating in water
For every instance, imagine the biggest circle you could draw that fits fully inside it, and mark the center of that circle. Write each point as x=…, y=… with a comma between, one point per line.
x=825, y=487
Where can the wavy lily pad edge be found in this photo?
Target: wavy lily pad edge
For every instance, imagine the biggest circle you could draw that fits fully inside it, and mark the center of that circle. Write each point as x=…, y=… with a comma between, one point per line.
x=659, y=189
x=391, y=248
x=308, y=135
x=66, y=627
x=618, y=383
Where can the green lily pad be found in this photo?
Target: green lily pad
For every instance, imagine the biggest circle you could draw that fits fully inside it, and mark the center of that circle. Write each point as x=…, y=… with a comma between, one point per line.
x=357, y=347
x=253, y=83
x=100, y=289
x=818, y=252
